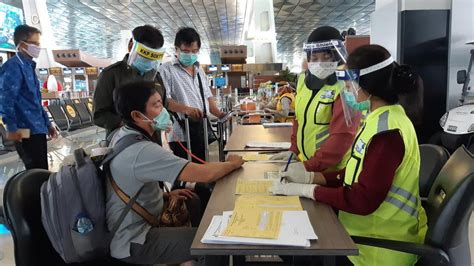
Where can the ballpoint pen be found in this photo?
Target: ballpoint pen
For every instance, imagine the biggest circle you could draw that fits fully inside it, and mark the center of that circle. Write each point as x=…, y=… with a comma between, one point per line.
x=287, y=164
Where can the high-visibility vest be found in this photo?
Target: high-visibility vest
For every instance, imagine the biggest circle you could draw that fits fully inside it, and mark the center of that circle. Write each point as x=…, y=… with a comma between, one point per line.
x=314, y=111
x=400, y=216
x=279, y=107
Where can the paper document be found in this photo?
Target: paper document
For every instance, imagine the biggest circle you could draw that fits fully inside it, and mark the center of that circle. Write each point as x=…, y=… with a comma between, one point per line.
x=255, y=157
x=253, y=186
x=267, y=125
x=256, y=223
x=272, y=175
x=282, y=203
x=263, y=144
x=296, y=230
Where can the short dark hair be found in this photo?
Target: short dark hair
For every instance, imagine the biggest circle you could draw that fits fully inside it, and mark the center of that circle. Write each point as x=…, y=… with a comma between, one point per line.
x=149, y=36
x=387, y=83
x=23, y=33
x=187, y=36
x=133, y=96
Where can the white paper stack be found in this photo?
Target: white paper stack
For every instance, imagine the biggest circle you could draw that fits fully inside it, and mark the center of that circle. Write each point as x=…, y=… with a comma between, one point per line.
x=296, y=230
x=263, y=144
x=267, y=125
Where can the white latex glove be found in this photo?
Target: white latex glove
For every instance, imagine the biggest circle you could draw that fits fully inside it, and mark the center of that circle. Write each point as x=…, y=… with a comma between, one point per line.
x=296, y=173
x=294, y=189
x=282, y=156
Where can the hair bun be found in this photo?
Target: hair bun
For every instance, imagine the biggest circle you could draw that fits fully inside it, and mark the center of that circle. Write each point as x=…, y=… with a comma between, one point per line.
x=404, y=79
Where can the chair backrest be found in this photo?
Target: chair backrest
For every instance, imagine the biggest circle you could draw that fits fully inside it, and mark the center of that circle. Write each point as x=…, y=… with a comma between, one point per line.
x=433, y=157
x=449, y=207
x=73, y=116
x=84, y=115
x=59, y=117
x=22, y=207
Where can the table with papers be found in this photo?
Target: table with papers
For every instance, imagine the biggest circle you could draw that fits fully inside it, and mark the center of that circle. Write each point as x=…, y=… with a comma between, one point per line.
x=256, y=138
x=307, y=228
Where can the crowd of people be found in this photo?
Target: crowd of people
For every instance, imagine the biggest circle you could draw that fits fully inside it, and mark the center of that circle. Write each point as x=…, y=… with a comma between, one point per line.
x=347, y=122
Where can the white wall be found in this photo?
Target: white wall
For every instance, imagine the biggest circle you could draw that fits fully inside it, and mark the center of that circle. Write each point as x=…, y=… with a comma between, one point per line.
x=462, y=31
x=384, y=25
x=426, y=4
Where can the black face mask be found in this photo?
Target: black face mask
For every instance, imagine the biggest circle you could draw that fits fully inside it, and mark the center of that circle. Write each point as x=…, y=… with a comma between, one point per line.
x=315, y=84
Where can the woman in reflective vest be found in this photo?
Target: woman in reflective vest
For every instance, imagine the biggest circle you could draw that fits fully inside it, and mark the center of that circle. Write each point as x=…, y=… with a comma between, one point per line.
x=377, y=192
x=321, y=138
x=284, y=104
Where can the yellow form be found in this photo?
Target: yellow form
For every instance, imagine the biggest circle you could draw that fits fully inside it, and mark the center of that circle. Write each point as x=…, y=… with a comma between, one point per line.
x=281, y=203
x=253, y=186
x=254, y=223
x=255, y=157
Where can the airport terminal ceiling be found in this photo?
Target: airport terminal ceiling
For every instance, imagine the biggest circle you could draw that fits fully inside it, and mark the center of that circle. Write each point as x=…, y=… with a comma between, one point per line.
x=94, y=26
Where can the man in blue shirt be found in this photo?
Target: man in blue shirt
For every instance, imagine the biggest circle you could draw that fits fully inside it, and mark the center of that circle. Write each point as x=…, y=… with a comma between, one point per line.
x=20, y=100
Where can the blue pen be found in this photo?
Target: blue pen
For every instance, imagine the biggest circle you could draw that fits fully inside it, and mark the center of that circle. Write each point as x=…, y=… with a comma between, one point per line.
x=287, y=164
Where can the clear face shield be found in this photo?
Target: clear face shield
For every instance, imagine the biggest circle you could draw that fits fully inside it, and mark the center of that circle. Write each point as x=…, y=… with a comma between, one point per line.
x=145, y=60
x=324, y=58
x=350, y=94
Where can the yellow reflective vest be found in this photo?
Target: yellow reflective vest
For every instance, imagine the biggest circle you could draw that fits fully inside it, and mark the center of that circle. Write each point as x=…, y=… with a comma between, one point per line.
x=279, y=107
x=400, y=216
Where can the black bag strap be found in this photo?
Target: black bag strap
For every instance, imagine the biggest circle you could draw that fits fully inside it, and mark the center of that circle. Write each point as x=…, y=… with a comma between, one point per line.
x=125, y=212
x=201, y=90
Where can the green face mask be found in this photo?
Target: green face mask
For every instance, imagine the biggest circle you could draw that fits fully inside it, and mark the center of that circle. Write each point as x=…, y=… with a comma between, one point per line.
x=187, y=59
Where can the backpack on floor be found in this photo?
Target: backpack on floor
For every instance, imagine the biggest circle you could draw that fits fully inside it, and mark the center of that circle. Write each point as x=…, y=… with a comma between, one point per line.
x=73, y=206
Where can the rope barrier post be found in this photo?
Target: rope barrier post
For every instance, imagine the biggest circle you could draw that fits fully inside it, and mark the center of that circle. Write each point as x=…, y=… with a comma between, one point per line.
x=220, y=133
x=188, y=137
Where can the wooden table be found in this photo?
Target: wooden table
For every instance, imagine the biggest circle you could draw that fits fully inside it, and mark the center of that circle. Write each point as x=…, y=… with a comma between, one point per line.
x=333, y=239
x=242, y=134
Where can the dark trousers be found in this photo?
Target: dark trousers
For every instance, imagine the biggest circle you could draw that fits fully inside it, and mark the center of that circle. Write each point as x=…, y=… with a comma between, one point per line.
x=33, y=151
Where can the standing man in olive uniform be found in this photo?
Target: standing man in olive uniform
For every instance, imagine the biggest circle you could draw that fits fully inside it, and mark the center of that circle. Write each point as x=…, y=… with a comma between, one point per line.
x=141, y=63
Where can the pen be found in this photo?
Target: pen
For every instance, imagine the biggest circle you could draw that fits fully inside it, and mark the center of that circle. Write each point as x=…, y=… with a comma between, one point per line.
x=287, y=164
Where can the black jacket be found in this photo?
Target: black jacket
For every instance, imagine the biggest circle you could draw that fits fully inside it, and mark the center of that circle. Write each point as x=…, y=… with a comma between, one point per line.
x=112, y=77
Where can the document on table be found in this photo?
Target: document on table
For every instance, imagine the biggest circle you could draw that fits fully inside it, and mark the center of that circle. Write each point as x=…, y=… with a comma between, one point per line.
x=296, y=230
x=253, y=186
x=267, y=125
x=282, y=203
x=263, y=144
x=255, y=157
x=255, y=223
x=271, y=175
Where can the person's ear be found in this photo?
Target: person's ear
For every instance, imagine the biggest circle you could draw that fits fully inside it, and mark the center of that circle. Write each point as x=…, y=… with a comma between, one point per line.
x=136, y=116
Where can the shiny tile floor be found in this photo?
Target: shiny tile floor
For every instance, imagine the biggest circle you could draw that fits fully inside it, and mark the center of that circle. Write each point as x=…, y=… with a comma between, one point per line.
x=59, y=152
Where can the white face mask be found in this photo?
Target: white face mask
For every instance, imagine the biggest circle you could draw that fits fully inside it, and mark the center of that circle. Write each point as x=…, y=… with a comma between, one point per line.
x=322, y=70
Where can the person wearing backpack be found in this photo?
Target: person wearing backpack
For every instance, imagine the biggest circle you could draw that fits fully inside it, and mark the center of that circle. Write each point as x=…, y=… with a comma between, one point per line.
x=146, y=164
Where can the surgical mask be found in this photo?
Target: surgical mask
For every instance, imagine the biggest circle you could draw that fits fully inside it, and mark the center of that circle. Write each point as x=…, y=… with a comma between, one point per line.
x=160, y=122
x=351, y=101
x=187, y=59
x=322, y=70
x=144, y=65
x=32, y=50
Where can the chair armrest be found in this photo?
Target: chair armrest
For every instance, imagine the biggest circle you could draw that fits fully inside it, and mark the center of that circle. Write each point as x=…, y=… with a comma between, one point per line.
x=407, y=247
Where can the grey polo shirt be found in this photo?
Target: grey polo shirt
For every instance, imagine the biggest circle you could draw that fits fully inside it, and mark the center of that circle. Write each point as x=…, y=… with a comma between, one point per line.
x=184, y=88
x=143, y=163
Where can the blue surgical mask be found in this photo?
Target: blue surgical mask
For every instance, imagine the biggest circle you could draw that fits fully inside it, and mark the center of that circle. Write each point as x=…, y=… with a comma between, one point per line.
x=351, y=101
x=144, y=65
x=187, y=59
x=160, y=122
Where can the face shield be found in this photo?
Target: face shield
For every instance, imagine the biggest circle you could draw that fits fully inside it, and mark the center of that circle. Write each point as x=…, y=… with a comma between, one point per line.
x=350, y=93
x=145, y=59
x=324, y=57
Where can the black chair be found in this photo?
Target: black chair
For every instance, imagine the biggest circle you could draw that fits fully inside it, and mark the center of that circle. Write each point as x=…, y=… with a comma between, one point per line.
x=449, y=208
x=22, y=207
x=433, y=157
x=84, y=115
x=72, y=115
x=60, y=119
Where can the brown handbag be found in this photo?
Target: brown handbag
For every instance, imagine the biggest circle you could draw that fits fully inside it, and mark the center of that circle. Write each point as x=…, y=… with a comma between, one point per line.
x=174, y=214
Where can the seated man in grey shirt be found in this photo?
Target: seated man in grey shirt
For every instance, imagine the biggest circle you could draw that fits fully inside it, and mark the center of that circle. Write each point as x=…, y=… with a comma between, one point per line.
x=146, y=164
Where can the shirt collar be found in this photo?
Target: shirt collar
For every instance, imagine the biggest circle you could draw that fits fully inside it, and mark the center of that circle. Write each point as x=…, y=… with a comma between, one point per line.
x=26, y=59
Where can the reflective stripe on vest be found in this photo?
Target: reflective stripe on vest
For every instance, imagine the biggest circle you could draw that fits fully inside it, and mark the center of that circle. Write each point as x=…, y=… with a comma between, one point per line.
x=400, y=216
x=314, y=111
